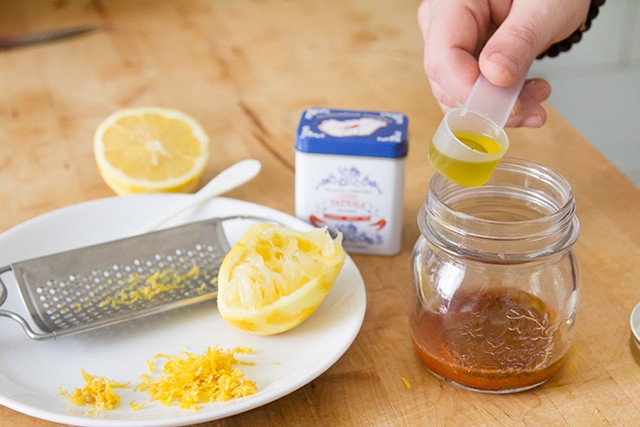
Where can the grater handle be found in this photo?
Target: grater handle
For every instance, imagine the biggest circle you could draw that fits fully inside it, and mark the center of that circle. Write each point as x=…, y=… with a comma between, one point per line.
x=16, y=317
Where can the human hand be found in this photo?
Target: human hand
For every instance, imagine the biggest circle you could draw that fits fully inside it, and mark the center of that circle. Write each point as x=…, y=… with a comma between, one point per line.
x=501, y=39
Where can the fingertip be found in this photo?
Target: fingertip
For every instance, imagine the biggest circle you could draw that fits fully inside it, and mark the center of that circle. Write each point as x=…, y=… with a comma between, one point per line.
x=500, y=67
x=530, y=122
x=538, y=89
x=530, y=119
x=534, y=121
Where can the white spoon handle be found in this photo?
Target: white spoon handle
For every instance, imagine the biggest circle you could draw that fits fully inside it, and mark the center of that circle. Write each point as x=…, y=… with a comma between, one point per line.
x=493, y=102
x=227, y=180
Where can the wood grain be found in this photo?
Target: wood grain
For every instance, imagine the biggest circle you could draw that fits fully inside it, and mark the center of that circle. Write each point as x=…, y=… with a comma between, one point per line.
x=246, y=69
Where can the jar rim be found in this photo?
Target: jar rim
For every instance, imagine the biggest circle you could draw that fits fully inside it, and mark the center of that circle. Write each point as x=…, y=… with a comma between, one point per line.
x=512, y=163
x=547, y=225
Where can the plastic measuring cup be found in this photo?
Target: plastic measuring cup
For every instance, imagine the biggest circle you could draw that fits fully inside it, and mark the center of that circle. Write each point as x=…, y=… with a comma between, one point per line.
x=470, y=141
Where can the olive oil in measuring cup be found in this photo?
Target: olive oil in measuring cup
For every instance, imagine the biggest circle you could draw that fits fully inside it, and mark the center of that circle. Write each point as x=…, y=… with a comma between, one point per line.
x=470, y=141
x=467, y=147
x=467, y=173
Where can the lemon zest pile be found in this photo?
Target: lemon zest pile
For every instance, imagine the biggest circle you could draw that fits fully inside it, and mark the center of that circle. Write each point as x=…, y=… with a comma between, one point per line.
x=97, y=393
x=187, y=379
x=190, y=380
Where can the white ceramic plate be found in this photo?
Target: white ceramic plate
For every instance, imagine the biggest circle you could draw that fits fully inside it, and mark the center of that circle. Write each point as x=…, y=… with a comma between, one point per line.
x=31, y=371
x=634, y=322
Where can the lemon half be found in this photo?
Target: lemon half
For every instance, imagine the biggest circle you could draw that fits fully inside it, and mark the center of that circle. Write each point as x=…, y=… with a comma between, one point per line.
x=150, y=150
x=276, y=277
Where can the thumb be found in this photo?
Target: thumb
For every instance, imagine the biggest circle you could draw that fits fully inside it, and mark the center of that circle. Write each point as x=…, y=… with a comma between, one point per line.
x=527, y=30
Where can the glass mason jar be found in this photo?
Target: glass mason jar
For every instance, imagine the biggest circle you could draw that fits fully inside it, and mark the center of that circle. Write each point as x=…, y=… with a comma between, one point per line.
x=496, y=278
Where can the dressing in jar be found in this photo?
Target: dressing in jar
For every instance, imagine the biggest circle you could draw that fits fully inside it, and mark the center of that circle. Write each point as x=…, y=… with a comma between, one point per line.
x=496, y=278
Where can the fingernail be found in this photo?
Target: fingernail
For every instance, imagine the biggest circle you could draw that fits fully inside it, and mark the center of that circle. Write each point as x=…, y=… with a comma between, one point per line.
x=532, y=122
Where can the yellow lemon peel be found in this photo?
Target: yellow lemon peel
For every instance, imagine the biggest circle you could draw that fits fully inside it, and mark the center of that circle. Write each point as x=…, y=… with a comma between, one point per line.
x=275, y=277
x=150, y=149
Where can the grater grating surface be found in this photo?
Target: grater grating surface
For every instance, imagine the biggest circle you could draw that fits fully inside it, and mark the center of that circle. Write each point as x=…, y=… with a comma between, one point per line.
x=108, y=283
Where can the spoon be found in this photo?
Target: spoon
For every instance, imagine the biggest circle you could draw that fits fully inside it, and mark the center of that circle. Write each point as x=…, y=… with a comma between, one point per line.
x=227, y=180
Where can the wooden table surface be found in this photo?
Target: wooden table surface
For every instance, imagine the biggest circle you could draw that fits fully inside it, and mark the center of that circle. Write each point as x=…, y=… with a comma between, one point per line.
x=246, y=69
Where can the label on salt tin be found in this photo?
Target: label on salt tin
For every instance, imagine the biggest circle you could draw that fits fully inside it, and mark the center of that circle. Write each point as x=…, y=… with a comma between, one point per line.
x=350, y=176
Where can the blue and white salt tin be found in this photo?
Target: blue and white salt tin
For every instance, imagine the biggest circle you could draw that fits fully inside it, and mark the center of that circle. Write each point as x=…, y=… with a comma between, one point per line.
x=350, y=168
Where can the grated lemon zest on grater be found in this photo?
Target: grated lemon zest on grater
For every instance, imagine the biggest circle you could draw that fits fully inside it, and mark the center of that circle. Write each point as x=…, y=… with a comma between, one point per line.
x=157, y=283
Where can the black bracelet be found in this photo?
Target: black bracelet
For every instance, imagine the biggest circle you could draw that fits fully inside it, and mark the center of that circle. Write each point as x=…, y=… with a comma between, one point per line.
x=564, y=45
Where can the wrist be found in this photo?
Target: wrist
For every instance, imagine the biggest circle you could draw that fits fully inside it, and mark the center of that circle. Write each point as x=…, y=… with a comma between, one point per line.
x=566, y=44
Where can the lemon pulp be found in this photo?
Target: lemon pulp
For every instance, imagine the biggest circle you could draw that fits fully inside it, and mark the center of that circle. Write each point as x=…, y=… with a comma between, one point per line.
x=275, y=277
x=465, y=172
x=150, y=149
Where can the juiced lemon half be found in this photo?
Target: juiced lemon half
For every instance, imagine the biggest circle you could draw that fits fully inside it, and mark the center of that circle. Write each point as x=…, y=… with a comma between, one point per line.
x=150, y=150
x=276, y=277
